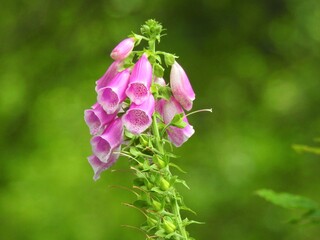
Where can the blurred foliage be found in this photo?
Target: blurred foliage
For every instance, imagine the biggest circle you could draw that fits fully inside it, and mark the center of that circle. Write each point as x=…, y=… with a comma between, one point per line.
x=255, y=62
x=311, y=213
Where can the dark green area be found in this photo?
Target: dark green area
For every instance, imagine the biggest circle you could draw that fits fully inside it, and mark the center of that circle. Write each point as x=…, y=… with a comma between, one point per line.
x=255, y=62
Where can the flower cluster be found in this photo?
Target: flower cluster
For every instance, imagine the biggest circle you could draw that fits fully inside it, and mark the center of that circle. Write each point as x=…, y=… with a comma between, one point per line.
x=125, y=101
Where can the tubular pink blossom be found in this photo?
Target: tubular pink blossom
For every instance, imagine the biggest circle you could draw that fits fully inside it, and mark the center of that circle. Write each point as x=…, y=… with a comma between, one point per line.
x=109, y=75
x=110, y=139
x=99, y=166
x=140, y=81
x=176, y=135
x=123, y=49
x=181, y=87
x=97, y=119
x=113, y=94
x=138, y=118
x=160, y=81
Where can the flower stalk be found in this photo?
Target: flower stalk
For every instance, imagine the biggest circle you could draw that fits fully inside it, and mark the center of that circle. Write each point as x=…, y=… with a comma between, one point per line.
x=148, y=119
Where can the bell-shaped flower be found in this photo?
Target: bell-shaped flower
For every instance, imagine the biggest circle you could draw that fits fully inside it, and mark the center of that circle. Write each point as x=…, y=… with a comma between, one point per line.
x=139, y=117
x=99, y=166
x=111, y=96
x=181, y=87
x=140, y=80
x=109, y=75
x=97, y=119
x=123, y=49
x=168, y=110
x=110, y=139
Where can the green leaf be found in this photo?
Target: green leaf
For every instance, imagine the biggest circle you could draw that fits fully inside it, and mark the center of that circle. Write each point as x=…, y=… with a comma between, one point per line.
x=169, y=59
x=134, y=151
x=177, y=121
x=177, y=167
x=187, y=222
x=140, y=203
x=304, y=148
x=138, y=182
x=164, y=92
x=161, y=233
x=158, y=70
x=188, y=209
x=287, y=200
x=129, y=134
x=183, y=183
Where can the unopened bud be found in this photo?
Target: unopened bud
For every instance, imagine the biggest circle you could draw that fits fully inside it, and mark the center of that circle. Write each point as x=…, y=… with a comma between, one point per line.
x=168, y=226
x=156, y=205
x=164, y=184
x=158, y=161
x=152, y=222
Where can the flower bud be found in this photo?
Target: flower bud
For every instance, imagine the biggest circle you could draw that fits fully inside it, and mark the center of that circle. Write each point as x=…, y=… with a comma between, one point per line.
x=111, y=138
x=123, y=49
x=113, y=94
x=156, y=205
x=164, y=184
x=181, y=87
x=152, y=222
x=140, y=80
x=138, y=118
x=168, y=226
x=158, y=161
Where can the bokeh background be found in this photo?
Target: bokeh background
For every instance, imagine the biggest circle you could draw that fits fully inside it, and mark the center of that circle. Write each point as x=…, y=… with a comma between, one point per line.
x=255, y=62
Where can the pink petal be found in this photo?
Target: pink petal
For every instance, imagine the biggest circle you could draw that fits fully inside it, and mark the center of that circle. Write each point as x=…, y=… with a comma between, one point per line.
x=181, y=87
x=111, y=138
x=123, y=49
x=111, y=96
x=176, y=135
x=140, y=80
x=97, y=119
x=109, y=75
x=99, y=166
x=160, y=81
x=139, y=117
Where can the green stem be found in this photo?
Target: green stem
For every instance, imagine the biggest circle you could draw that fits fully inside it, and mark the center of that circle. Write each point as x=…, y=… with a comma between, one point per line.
x=156, y=133
x=176, y=211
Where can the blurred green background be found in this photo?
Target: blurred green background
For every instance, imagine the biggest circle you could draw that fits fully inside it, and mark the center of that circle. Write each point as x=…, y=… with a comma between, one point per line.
x=257, y=63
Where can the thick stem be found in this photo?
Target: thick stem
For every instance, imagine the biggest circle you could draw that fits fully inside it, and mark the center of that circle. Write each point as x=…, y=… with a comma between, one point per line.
x=176, y=211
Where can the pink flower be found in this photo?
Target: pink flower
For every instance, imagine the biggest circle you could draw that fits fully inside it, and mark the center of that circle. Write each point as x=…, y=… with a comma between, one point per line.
x=97, y=119
x=168, y=109
x=99, y=166
x=109, y=75
x=110, y=139
x=160, y=81
x=138, y=118
x=181, y=87
x=123, y=49
x=140, y=81
x=113, y=94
